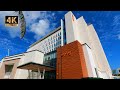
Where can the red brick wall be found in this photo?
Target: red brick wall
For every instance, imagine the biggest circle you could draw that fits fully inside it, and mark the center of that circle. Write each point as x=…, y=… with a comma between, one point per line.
x=71, y=62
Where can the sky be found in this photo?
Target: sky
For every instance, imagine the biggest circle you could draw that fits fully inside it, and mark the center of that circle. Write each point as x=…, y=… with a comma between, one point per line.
x=40, y=23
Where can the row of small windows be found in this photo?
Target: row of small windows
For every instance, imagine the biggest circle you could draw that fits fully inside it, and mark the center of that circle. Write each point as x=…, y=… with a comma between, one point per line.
x=53, y=44
x=52, y=41
x=49, y=57
x=55, y=36
x=52, y=47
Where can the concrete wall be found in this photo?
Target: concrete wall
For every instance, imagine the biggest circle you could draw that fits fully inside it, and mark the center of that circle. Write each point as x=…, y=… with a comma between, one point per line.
x=21, y=73
x=89, y=61
x=82, y=31
x=70, y=27
x=78, y=29
x=16, y=73
x=44, y=44
x=33, y=56
x=98, y=52
x=2, y=69
x=62, y=43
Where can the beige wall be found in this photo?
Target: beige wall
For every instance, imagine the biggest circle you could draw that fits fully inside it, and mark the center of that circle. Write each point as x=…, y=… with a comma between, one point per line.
x=79, y=30
x=2, y=69
x=98, y=52
x=89, y=61
x=32, y=56
x=70, y=27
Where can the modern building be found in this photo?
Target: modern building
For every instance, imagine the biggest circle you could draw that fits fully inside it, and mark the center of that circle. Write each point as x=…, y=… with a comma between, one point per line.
x=116, y=72
x=71, y=51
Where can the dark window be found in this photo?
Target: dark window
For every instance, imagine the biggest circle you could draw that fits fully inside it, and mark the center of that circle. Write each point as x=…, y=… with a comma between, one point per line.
x=8, y=69
x=48, y=58
x=64, y=32
x=45, y=59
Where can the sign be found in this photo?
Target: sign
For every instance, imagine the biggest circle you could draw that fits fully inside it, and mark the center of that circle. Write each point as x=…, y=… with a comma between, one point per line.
x=11, y=20
x=66, y=54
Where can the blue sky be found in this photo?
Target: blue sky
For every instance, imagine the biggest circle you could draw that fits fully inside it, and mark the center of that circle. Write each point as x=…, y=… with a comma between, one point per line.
x=39, y=23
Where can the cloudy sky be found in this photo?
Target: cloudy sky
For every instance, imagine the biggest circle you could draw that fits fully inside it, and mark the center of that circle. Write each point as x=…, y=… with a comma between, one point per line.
x=40, y=23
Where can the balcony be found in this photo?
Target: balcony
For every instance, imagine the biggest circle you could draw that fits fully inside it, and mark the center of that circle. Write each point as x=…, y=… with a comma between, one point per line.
x=34, y=56
x=33, y=62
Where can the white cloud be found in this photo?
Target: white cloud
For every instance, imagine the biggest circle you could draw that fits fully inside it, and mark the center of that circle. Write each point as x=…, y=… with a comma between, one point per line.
x=13, y=31
x=37, y=21
x=40, y=28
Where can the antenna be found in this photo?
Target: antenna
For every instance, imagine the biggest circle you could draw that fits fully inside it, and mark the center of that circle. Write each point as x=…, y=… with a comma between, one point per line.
x=8, y=52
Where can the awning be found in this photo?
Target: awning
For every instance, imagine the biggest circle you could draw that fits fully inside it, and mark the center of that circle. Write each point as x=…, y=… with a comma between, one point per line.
x=35, y=66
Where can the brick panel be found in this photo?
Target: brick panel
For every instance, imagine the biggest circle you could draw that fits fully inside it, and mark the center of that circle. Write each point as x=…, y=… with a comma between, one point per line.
x=71, y=62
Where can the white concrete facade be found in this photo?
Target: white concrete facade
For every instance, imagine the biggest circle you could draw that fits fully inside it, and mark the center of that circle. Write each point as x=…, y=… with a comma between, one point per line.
x=49, y=43
x=76, y=29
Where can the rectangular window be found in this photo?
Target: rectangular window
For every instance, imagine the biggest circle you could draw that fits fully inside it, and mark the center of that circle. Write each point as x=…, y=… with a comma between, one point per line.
x=8, y=70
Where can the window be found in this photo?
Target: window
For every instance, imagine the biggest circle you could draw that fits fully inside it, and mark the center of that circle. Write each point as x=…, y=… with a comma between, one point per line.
x=45, y=58
x=55, y=55
x=48, y=58
x=59, y=38
x=8, y=70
